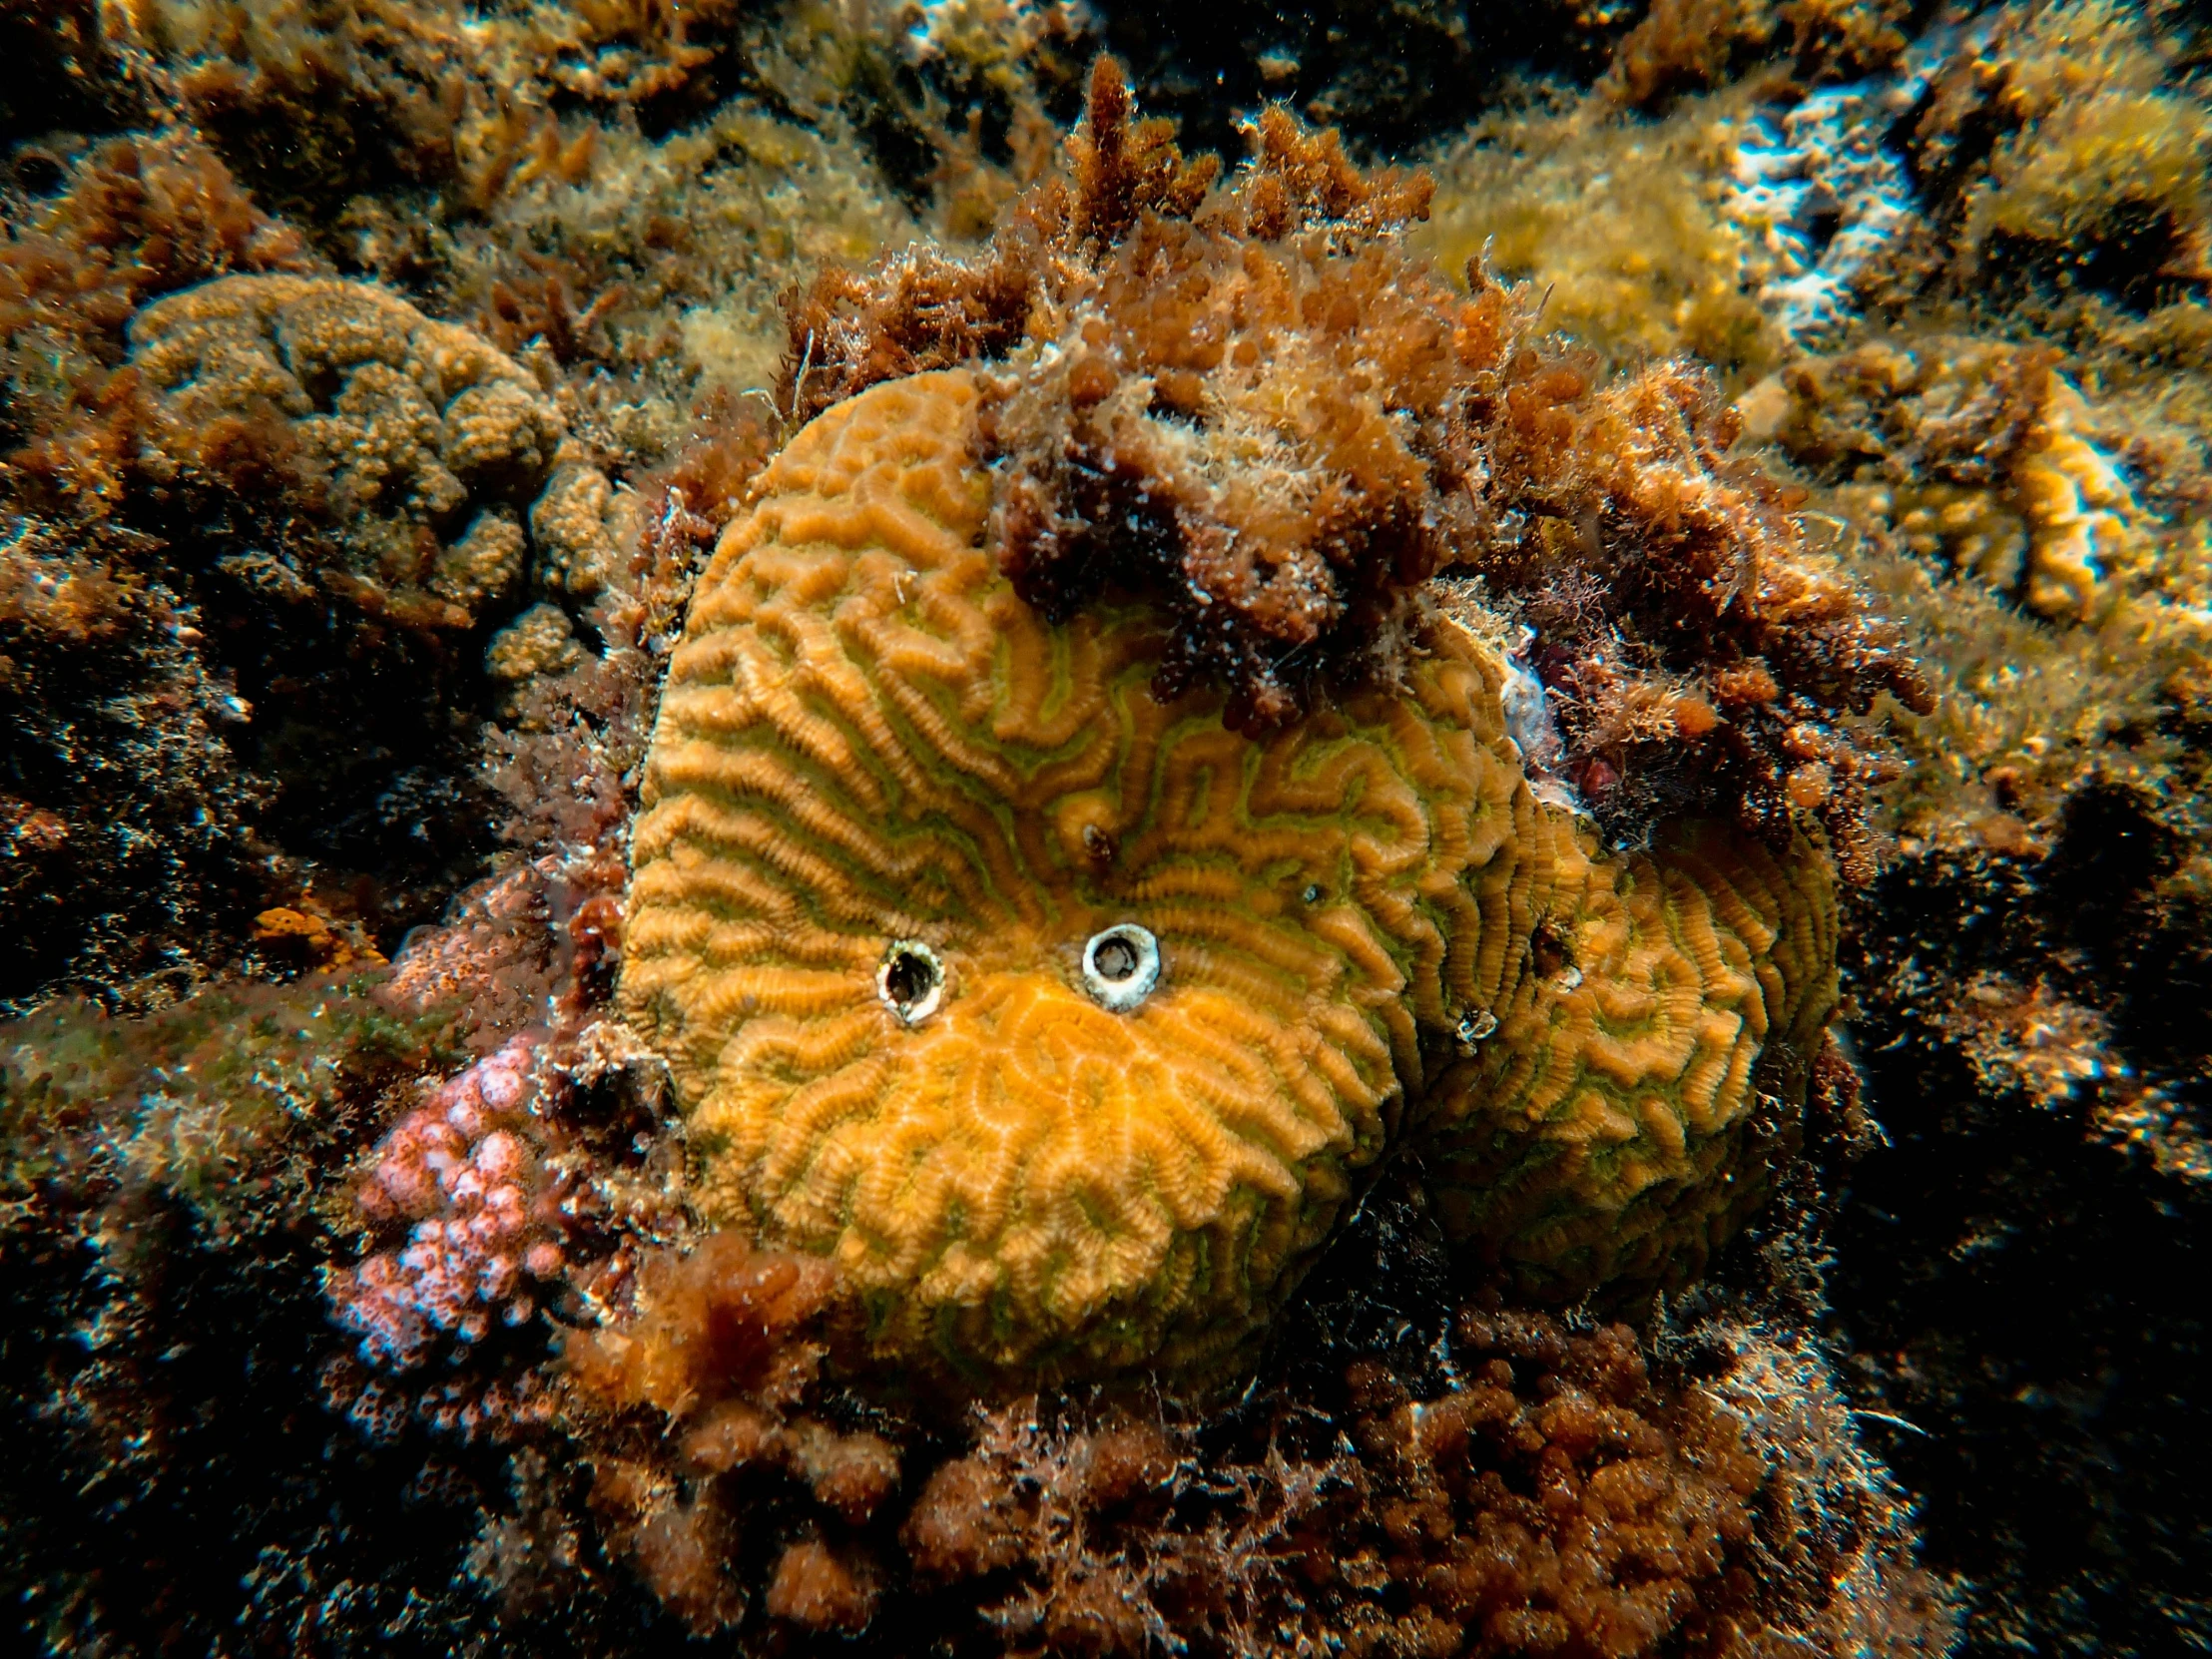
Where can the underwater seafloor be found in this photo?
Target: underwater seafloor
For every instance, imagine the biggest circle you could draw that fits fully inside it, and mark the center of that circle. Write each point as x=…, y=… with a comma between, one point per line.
x=1752, y=457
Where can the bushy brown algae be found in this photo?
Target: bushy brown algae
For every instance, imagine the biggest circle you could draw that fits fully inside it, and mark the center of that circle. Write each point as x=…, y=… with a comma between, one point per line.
x=1255, y=404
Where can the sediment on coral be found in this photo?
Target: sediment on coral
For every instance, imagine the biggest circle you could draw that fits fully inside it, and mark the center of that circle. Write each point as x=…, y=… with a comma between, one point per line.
x=132, y=219
x=340, y=499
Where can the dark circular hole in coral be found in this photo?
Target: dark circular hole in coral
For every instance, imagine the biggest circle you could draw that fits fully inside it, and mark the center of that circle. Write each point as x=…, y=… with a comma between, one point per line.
x=1116, y=959
x=1548, y=951
x=37, y=173
x=909, y=978
x=1121, y=966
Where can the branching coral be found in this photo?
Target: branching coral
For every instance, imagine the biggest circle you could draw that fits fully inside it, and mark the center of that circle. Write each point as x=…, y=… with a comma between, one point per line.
x=489, y=1217
x=1064, y=1018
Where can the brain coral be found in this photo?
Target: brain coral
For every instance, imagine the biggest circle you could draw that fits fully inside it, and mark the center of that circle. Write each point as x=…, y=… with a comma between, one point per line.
x=402, y=454
x=1065, y=1018
x=1602, y=1133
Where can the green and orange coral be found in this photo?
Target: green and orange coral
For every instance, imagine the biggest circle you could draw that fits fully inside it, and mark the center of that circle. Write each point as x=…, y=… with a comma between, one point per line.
x=1067, y=1019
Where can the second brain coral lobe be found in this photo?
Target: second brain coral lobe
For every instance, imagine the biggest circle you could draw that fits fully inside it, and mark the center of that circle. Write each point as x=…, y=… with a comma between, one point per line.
x=1065, y=1018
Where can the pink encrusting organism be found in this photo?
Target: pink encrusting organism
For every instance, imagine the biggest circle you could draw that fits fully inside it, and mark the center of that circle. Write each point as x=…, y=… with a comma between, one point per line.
x=468, y=1167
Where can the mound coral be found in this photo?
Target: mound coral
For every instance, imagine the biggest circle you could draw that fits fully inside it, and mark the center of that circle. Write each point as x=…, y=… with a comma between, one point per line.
x=1064, y=1017
x=1988, y=455
x=138, y=216
x=421, y=444
x=1613, y=1126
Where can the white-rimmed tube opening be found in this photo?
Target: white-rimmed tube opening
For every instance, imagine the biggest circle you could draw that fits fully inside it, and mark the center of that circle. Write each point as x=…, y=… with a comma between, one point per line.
x=1121, y=966
x=911, y=982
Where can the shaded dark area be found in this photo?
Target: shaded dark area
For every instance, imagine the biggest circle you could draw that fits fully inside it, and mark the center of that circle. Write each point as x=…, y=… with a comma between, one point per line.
x=172, y=764
x=207, y=1495
x=2063, y=1460
x=195, y=1467
x=369, y=737
x=59, y=74
x=2027, y=1289
x=2138, y=258
x=125, y=820
x=205, y=1464
x=1392, y=74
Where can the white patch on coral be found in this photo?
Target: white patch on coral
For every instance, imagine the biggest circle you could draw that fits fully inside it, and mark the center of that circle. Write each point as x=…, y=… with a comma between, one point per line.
x=1528, y=708
x=986, y=33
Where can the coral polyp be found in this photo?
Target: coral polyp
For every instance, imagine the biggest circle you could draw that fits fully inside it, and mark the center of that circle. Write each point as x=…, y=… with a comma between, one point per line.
x=890, y=814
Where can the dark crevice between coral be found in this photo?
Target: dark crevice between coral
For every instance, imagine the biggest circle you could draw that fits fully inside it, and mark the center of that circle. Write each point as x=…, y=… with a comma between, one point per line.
x=1392, y=76
x=178, y=1483
x=59, y=76
x=2016, y=1279
x=2140, y=256
x=2022, y=1296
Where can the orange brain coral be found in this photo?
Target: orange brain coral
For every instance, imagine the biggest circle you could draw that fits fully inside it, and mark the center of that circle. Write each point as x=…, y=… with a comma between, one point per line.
x=909, y=862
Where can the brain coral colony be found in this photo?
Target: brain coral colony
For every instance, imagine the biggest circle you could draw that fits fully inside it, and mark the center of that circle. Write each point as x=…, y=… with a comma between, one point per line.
x=818, y=855
x=1079, y=844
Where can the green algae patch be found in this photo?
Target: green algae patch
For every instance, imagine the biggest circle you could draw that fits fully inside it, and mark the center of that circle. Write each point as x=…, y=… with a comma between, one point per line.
x=231, y=1100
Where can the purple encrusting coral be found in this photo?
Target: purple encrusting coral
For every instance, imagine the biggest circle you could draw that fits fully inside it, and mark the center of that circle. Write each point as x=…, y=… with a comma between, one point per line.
x=490, y=1213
